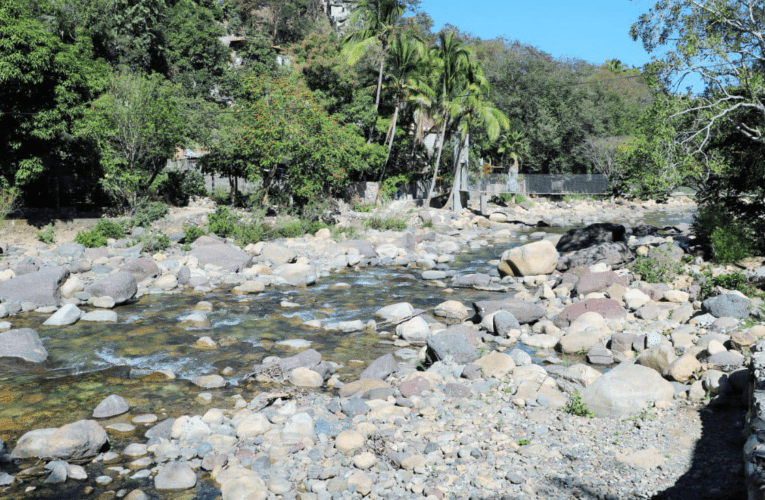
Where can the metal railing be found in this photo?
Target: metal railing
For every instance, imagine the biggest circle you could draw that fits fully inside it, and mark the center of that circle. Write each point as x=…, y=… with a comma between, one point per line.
x=542, y=184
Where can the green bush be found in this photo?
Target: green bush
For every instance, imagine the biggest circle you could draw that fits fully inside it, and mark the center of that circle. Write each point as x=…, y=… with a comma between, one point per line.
x=193, y=232
x=253, y=232
x=109, y=229
x=661, y=269
x=146, y=213
x=360, y=207
x=180, y=186
x=223, y=223
x=731, y=244
x=577, y=407
x=154, y=243
x=46, y=235
x=90, y=239
x=221, y=196
x=389, y=224
x=729, y=239
x=731, y=281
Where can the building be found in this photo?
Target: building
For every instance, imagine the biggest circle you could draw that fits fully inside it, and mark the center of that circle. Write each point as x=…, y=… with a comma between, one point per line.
x=338, y=12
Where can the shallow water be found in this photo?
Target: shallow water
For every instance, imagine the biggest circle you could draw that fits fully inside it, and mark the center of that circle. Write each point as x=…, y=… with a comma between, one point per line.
x=89, y=361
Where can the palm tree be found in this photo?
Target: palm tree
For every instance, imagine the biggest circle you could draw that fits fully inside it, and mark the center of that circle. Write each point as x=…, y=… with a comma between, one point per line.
x=454, y=76
x=472, y=110
x=407, y=81
x=376, y=22
x=512, y=144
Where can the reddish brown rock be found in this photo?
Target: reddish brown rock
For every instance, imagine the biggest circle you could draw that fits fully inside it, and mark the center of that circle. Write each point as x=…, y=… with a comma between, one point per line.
x=608, y=308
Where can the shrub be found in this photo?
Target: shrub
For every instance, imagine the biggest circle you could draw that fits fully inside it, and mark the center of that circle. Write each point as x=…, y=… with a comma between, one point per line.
x=731, y=281
x=146, y=213
x=577, y=407
x=180, y=186
x=731, y=244
x=154, y=243
x=90, y=239
x=193, y=232
x=252, y=232
x=427, y=224
x=221, y=196
x=659, y=269
x=361, y=208
x=46, y=235
x=9, y=202
x=223, y=223
x=729, y=239
x=109, y=229
x=390, y=223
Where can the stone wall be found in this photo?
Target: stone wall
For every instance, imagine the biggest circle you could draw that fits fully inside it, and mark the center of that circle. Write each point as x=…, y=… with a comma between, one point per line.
x=754, y=448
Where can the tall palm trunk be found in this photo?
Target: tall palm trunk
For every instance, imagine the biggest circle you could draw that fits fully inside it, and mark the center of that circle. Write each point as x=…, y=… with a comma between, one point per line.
x=457, y=184
x=438, y=161
x=387, y=157
x=380, y=78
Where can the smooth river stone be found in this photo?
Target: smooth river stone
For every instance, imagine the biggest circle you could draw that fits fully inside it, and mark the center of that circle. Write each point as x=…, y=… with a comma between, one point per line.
x=111, y=406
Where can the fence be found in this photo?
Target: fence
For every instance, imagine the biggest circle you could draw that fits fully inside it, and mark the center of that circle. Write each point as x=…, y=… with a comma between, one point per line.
x=543, y=184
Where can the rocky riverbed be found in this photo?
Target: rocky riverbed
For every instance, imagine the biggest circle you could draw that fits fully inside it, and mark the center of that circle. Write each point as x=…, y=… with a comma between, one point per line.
x=549, y=371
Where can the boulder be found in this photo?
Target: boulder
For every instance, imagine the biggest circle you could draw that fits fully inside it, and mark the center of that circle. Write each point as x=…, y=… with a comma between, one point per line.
x=120, y=286
x=297, y=274
x=221, y=255
x=23, y=343
x=496, y=365
x=608, y=308
x=175, y=476
x=612, y=254
x=380, y=368
x=592, y=235
x=67, y=315
x=504, y=322
x=627, y=390
x=659, y=358
x=532, y=259
x=82, y=439
x=577, y=377
x=597, y=282
x=395, y=312
x=683, y=368
x=364, y=247
x=416, y=330
x=141, y=269
x=451, y=309
x=524, y=311
x=305, y=359
x=731, y=305
x=278, y=254
x=471, y=281
x=452, y=342
x=111, y=406
x=41, y=288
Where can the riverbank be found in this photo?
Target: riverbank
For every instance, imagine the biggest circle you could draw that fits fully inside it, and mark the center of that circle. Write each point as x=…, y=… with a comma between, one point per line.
x=462, y=408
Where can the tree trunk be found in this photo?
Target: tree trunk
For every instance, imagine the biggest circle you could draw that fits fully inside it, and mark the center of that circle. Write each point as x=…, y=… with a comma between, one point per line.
x=387, y=157
x=267, y=187
x=380, y=79
x=457, y=185
x=438, y=161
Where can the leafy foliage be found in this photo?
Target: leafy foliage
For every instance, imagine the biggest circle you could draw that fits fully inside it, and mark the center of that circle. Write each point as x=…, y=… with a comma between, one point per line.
x=729, y=239
x=388, y=224
x=730, y=281
x=146, y=213
x=180, y=186
x=46, y=235
x=576, y=406
x=90, y=239
x=657, y=269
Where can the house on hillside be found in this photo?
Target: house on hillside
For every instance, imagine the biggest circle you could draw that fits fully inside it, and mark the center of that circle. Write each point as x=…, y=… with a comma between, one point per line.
x=338, y=12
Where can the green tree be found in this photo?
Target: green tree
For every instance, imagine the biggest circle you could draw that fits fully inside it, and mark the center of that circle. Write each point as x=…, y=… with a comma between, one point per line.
x=454, y=74
x=375, y=24
x=45, y=84
x=408, y=84
x=293, y=145
x=137, y=125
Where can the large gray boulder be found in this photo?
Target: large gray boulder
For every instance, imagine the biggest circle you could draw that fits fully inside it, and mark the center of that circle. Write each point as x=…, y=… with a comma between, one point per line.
x=729, y=305
x=456, y=342
x=42, y=288
x=613, y=254
x=592, y=235
x=72, y=251
x=380, y=368
x=524, y=311
x=219, y=254
x=364, y=247
x=278, y=254
x=82, y=439
x=141, y=269
x=598, y=282
x=23, y=343
x=121, y=286
x=627, y=390
x=471, y=281
x=67, y=315
x=297, y=274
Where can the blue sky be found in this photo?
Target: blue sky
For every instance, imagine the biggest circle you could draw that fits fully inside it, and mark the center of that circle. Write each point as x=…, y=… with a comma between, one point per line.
x=593, y=30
